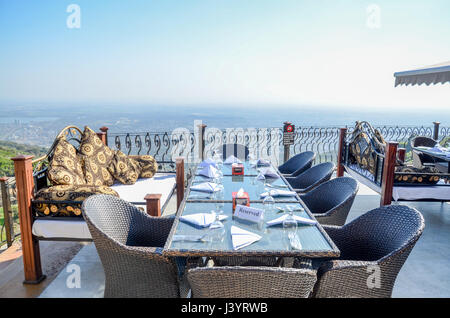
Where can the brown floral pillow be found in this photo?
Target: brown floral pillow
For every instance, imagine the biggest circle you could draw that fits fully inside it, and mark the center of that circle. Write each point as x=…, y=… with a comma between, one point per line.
x=97, y=157
x=148, y=165
x=123, y=168
x=66, y=166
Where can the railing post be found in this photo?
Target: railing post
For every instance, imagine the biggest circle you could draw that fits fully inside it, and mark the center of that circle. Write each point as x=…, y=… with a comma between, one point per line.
x=153, y=202
x=9, y=230
x=387, y=182
x=340, y=166
x=436, y=130
x=23, y=169
x=104, y=130
x=180, y=180
x=401, y=154
x=201, y=140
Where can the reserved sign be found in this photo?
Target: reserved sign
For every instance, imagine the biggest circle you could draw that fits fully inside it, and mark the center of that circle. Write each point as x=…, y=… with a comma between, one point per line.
x=248, y=213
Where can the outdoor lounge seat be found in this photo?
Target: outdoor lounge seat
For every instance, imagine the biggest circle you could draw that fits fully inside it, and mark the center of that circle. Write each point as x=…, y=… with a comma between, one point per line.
x=251, y=282
x=312, y=177
x=129, y=244
x=297, y=164
x=421, y=159
x=373, y=248
x=331, y=201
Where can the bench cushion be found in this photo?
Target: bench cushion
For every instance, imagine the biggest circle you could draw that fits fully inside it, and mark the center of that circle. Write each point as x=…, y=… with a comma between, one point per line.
x=66, y=193
x=63, y=228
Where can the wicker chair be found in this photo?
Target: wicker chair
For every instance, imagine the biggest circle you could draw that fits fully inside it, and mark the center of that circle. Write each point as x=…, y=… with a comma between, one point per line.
x=331, y=201
x=237, y=150
x=251, y=282
x=297, y=164
x=312, y=177
x=421, y=159
x=129, y=243
x=377, y=242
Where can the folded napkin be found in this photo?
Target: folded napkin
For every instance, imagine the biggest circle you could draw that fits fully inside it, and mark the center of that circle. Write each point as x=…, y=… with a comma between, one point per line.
x=279, y=193
x=208, y=187
x=209, y=172
x=201, y=219
x=438, y=148
x=262, y=163
x=242, y=238
x=232, y=159
x=299, y=219
x=207, y=162
x=267, y=173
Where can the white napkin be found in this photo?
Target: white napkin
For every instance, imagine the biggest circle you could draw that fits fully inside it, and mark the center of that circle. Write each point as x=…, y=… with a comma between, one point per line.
x=299, y=219
x=279, y=193
x=242, y=238
x=441, y=150
x=267, y=173
x=201, y=219
x=262, y=163
x=209, y=172
x=232, y=159
x=207, y=162
x=208, y=187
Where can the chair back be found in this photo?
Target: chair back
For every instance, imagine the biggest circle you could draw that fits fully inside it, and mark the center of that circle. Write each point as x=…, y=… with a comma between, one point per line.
x=313, y=176
x=423, y=141
x=332, y=200
x=298, y=163
x=251, y=282
x=238, y=150
x=382, y=233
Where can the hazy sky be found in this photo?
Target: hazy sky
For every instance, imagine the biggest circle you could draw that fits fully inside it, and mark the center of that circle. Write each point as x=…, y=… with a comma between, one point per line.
x=217, y=52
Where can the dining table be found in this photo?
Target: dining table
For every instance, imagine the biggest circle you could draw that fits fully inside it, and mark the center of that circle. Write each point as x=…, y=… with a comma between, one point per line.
x=314, y=241
x=438, y=155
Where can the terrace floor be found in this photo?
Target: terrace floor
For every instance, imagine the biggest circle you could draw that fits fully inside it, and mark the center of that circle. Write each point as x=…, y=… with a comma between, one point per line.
x=426, y=272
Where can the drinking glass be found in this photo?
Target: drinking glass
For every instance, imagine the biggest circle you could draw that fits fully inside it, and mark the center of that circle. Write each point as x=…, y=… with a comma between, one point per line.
x=290, y=227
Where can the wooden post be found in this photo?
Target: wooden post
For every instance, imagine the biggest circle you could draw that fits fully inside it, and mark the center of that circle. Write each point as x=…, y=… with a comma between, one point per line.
x=340, y=166
x=105, y=131
x=102, y=137
x=201, y=140
x=436, y=130
x=30, y=246
x=387, y=181
x=9, y=230
x=287, y=148
x=153, y=204
x=401, y=154
x=180, y=180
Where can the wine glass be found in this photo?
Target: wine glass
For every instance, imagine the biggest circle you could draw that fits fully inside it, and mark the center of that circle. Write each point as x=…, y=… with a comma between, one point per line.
x=290, y=226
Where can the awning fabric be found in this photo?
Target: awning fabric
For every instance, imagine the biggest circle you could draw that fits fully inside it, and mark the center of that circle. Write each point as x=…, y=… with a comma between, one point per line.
x=434, y=74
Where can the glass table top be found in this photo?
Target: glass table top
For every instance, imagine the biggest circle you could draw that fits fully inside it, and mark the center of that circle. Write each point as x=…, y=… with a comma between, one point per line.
x=274, y=240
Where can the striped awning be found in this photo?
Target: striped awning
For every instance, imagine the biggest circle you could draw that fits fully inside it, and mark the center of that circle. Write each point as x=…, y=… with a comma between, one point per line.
x=434, y=74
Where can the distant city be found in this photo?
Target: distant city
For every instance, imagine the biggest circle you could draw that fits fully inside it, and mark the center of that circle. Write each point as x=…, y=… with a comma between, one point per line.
x=39, y=125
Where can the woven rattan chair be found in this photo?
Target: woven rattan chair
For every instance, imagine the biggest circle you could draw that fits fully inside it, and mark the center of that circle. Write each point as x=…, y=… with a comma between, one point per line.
x=297, y=164
x=312, y=177
x=129, y=243
x=331, y=201
x=421, y=159
x=375, y=245
x=251, y=282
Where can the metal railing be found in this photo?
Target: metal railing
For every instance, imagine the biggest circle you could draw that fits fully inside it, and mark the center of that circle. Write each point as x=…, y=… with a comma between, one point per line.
x=10, y=228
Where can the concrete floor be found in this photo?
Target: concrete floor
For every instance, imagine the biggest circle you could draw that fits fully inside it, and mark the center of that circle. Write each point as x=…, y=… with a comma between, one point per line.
x=426, y=272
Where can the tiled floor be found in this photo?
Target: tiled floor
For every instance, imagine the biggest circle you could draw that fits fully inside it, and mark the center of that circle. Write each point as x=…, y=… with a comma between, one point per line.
x=426, y=272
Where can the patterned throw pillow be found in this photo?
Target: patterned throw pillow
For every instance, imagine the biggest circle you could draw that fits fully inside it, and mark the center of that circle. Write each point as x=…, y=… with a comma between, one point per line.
x=66, y=166
x=426, y=175
x=123, y=168
x=148, y=165
x=66, y=193
x=97, y=157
